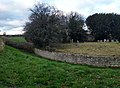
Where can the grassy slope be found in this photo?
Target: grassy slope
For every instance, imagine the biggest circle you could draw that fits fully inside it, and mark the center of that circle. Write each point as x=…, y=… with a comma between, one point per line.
x=93, y=49
x=21, y=70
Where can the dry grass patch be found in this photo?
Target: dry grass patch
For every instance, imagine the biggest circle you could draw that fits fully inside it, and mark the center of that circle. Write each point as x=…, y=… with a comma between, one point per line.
x=92, y=49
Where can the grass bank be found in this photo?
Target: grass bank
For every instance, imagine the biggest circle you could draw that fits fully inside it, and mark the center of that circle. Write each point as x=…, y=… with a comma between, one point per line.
x=21, y=70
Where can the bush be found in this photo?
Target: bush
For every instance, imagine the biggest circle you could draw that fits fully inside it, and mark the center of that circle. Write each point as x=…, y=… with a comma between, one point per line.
x=44, y=27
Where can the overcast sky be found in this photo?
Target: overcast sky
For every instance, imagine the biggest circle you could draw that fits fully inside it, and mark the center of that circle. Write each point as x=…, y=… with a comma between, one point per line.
x=14, y=13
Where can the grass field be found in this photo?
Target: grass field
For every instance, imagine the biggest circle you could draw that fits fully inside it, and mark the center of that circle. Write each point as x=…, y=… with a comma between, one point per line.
x=92, y=48
x=111, y=49
x=18, y=39
x=23, y=70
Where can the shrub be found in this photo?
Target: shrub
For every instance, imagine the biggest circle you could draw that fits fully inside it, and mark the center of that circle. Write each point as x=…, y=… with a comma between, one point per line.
x=44, y=28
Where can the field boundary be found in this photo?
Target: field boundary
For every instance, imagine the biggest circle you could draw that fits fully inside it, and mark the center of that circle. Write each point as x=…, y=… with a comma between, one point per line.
x=80, y=59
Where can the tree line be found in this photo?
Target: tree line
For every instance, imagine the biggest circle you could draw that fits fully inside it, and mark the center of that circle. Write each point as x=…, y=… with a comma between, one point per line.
x=48, y=25
x=104, y=26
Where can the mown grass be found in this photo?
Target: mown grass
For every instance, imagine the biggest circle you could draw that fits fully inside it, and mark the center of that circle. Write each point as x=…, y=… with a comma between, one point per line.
x=21, y=70
x=92, y=48
x=18, y=39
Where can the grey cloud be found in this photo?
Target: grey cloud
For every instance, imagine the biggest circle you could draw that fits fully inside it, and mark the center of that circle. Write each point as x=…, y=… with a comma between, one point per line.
x=18, y=10
x=12, y=14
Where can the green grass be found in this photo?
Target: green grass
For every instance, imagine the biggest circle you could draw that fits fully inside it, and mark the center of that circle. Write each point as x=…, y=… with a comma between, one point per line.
x=22, y=70
x=92, y=48
x=18, y=39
